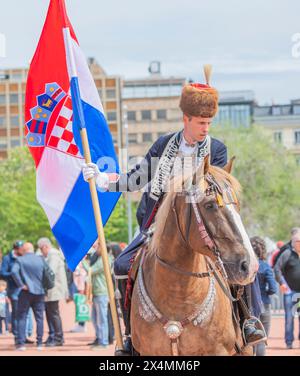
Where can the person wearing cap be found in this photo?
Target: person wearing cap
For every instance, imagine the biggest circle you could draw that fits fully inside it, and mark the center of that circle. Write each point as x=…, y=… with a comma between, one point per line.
x=199, y=105
x=287, y=274
x=13, y=290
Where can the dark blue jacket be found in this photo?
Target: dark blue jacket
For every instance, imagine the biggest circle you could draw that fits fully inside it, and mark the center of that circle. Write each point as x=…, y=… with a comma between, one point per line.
x=6, y=272
x=267, y=283
x=218, y=157
x=28, y=270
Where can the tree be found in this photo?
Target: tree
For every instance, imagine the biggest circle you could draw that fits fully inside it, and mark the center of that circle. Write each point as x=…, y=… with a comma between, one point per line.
x=22, y=217
x=270, y=179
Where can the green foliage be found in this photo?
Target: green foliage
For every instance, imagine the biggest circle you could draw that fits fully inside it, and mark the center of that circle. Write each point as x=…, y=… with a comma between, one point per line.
x=116, y=228
x=270, y=179
x=21, y=216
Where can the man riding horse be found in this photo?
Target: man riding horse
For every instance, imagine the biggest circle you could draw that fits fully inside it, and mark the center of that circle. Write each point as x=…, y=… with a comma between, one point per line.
x=199, y=105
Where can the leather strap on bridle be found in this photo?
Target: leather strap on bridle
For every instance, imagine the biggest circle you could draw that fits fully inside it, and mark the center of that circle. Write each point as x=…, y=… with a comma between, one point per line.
x=174, y=268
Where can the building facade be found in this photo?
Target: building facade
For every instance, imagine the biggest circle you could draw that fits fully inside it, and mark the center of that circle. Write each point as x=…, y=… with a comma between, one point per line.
x=283, y=122
x=12, y=101
x=152, y=106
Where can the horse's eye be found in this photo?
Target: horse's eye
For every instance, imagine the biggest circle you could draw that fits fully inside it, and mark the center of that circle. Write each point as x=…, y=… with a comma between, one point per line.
x=210, y=206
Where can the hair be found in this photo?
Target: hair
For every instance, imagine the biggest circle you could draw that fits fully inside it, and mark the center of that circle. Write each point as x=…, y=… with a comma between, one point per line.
x=199, y=102
x=220, y=175
x=259, y=247
x=295, y=230
x=3, y=283
x=43, y=241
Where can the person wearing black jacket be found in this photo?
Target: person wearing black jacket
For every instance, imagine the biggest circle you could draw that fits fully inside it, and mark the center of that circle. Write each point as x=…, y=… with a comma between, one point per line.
x=287, y=273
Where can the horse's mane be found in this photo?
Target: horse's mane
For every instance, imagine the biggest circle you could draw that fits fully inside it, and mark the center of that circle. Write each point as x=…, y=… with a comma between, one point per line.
x=221, y=176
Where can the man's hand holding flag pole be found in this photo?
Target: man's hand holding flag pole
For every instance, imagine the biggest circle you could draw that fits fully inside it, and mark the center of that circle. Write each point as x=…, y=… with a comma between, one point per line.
x=65, y=126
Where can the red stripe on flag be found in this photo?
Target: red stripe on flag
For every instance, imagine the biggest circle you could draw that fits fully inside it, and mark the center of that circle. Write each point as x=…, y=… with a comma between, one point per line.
x=41, y=126
x=56, y=94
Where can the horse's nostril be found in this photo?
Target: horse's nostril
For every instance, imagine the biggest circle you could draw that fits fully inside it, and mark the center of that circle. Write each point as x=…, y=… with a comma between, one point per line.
x=244, y=267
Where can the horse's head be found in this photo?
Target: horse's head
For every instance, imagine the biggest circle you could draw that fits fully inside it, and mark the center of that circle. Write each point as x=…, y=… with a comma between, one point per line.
x=209, y=220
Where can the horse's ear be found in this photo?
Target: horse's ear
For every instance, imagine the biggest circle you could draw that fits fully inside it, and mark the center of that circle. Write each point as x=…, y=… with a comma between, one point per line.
x=198, y=177
x=206, y=164
x=229, y=165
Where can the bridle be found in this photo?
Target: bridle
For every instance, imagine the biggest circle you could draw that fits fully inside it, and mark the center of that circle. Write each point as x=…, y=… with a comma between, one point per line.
x=194, y=196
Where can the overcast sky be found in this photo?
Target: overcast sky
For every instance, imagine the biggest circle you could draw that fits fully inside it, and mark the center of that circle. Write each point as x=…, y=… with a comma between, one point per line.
x=249, y=43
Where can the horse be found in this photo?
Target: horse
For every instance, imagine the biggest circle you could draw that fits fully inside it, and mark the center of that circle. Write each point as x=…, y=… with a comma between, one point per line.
x=180, y=301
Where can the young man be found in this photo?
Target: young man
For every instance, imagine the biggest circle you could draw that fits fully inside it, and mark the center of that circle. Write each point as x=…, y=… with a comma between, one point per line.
x=199, y=105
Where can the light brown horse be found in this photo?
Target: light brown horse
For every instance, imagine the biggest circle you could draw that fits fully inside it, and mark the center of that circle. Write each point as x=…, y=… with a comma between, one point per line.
x=174, y=312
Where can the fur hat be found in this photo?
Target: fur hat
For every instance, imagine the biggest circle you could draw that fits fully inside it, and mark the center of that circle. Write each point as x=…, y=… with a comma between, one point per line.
x=199, y=99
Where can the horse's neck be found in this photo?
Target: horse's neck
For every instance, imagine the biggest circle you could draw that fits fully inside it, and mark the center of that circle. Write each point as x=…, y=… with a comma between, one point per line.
x=173, y=292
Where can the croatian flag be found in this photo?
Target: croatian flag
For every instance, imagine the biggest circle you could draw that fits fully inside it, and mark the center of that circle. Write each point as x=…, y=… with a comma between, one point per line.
x=61, y=98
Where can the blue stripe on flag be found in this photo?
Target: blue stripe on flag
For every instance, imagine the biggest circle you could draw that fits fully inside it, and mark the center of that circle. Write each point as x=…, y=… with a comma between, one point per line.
x=75, y=230
x=76, y=103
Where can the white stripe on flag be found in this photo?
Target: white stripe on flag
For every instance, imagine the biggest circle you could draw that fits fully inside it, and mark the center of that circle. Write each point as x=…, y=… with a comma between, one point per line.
x=56, y=176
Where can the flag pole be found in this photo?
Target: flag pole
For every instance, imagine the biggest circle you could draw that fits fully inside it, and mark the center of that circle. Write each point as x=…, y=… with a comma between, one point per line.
x=102, y=243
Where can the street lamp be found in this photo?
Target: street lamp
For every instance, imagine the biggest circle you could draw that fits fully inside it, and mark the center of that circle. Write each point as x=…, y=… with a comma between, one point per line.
x=129, y=211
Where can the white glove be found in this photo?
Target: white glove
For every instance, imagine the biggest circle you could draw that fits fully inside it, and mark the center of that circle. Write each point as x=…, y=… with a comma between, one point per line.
x=90, y=171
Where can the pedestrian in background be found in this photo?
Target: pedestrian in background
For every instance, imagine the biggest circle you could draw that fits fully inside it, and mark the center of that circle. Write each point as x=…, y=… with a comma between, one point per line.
x=56, y=262
x=287, y=273
x=267, y=286
x=3, y=307
x=95, y=270
x=27, y=273
x=13, y=290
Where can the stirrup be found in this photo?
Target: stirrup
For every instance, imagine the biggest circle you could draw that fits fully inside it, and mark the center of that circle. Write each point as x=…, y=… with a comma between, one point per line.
x=127, y=347
x=258, y=325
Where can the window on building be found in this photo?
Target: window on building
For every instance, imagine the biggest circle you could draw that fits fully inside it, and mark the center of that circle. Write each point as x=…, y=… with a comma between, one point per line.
x=161, y=114
x=100, y=93
x=146, y=115
x=131, y=116
x=110, y=94
x=147, y=137
x=3, y=145
x=296, y=110
x=132, y=138
x=277, y=137
x=2, y=121
x=297, y=137
x=14, y=121
x=112, y=116
x=2, y=99
x=13, y=98
x=159, y=134
x=16, y=76
x=15, y=142
x=276, y=111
